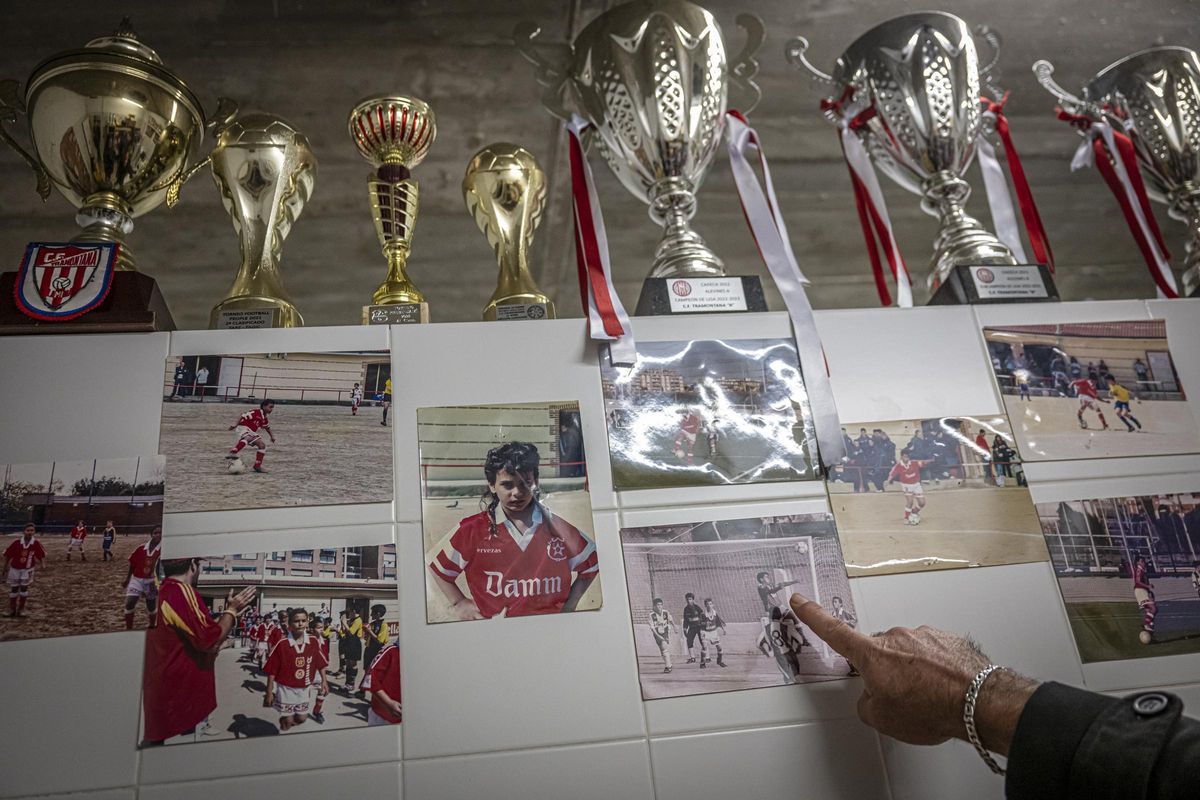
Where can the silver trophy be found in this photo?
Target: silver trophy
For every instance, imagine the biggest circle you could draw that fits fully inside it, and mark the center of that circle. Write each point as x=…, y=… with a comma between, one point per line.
x=921, y=74
x=1154, y=96
x=652, y=78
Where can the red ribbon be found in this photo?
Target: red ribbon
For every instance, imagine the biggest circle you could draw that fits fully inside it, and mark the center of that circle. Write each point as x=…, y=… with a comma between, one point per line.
x=587, y=252
x=1034, y=228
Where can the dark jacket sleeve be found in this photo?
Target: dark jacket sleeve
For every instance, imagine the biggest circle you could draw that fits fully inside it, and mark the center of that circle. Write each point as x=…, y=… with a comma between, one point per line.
x=1075, y=745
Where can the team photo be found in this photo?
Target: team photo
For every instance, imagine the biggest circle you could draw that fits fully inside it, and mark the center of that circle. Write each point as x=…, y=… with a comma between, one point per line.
x=1092, y=390
x=709, y=603
x=274, y=430
x=262, y=644
x=704, y=413
x=81, y=542
x=1129, y=572
x=933, y=494
x=505, y=512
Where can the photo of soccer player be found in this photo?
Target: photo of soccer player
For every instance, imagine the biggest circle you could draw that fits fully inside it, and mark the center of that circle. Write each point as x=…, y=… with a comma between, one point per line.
x=729, y=582
x=290, y=672
x=506, y=515
x=80, y=543
x=1128, y=571
x=275, y=430
x=937, y=493
x=702, y=413
x=1092, y=390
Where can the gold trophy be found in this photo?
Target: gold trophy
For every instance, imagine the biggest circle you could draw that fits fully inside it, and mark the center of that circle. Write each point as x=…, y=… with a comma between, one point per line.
x=264, y=170
x=394, y=134
x=505, y=191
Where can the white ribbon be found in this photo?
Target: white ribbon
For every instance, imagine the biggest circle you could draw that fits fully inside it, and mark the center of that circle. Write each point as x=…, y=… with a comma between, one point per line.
x=770, y=233
x=1085, y=157
x=622, y=349
x=1000, y=202
x=860, y=164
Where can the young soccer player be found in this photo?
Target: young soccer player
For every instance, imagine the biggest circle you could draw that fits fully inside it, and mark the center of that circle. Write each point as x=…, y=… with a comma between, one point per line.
x=376, y=634
x=908, y=472
x=517, y=555
x=21, y=558
x=661, y=624
x=1143, y=593
x=710, y=621
x=692, y=612
x=356, y=395
x=1021, y=376
x=1086, y=392
x=840, y=612
x=767, y=590
x=781, y=640
x=1196, y=578
x=317, y=629
x=110, y=534
x=685, y=441
x=293, y=664
x=1120, y=396
x=387, y=400
x=247, y=428
x=385, y=708
x=78, y=534
x=140, y=580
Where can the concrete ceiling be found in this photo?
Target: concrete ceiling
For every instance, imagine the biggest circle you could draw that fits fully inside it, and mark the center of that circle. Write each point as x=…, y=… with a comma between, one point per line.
x=310, y=62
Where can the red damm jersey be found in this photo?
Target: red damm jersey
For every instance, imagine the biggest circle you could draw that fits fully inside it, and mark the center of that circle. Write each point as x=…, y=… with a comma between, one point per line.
x=907, y=473
x=1140, y=579
x=179, y=687
x=22, y=555
x=144, y=559
x=530, y=576
x=79, y=532
x=273, y=634
x=323, y=641
x=1083, y=386
x=293, y=663
x=254, y=419
x=385, y=676
x=690, y=425
x=259, y=632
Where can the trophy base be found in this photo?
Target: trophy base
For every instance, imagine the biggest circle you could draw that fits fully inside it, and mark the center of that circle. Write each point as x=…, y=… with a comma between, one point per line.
x=134, y=305
x=996, y=283
x=396, y=314
x=717, y=295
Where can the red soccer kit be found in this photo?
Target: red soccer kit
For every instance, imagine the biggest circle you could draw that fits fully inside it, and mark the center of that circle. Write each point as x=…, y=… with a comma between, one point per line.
x=179, y=687
x=385, y=675
x=23, y=556
x=293, y=663
x=910, y=473
x=528, y=574
x=1084, y=386
x=143, y=560
x=79, y=533
x=273, y=634
x=254, y=419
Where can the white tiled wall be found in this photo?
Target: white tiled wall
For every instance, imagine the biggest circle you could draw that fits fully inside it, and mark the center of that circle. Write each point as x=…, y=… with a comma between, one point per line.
x=550, y=706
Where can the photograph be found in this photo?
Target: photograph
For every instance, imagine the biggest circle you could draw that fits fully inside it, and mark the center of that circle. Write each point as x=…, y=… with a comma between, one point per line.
x=709, y=603
x=708, y=413
x=277, y=429
x=1092, y=390
x=81, y=542
x=1129, y=572
x=505, y=512
x=940, y=493
x=260, y=644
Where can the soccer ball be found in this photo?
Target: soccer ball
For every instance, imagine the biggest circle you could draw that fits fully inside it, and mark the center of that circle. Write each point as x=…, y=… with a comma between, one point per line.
x=237, y=467
x=1145, y=637
x=802, y=548
x=680, y=454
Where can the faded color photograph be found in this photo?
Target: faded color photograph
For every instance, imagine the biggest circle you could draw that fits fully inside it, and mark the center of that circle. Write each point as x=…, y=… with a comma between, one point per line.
x=262, y=644
x=505, y=511
x=81, y=542
x=708, y=413
x=1092, y=390
x=275, y=430
x=709, y=603
x=1129, y=572
x=938, y=493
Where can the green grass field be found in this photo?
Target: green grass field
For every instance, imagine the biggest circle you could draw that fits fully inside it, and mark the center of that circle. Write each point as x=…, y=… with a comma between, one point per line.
x=1109, y=631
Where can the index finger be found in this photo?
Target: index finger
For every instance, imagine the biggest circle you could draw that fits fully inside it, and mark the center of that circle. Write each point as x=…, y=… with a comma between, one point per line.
x=841, y=637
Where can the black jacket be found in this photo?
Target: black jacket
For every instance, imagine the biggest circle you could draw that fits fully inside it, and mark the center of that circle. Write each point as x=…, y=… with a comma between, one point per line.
x=1071, y=744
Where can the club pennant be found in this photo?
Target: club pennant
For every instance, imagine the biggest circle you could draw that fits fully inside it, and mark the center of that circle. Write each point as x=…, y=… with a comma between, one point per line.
x=63, y=281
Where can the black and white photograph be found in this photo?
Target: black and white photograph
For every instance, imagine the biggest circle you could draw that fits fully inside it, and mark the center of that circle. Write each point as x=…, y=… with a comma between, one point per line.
x=278, y=429
x=709, y=603
x=708, y=413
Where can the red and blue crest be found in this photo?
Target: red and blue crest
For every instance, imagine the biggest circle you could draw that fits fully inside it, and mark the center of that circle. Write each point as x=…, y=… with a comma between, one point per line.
x=59, y=282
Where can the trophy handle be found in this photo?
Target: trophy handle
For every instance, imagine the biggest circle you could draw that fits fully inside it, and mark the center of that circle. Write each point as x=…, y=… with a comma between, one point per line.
x=1044, y=71
x=794, y=50
x=226, y=110
x=745, y=66
x=183, y=177
x=987, y=71
x=11, y=104
x=552, y=62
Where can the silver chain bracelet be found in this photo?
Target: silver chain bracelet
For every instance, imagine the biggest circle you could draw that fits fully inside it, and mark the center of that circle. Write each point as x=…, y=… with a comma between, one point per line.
x=971, y=699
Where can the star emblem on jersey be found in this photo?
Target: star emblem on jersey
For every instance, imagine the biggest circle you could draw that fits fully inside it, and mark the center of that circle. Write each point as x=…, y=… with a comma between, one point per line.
x=59, y=282
x=556, y=550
